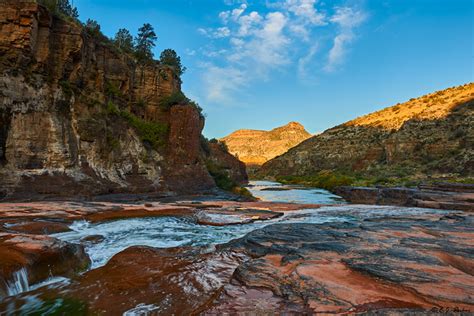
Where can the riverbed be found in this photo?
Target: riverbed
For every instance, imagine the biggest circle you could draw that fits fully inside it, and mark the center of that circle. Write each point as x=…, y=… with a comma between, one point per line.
x=105, y=239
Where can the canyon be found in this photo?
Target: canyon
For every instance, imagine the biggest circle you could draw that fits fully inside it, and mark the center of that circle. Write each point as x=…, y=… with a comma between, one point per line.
x=78, y=117
x=114, y=203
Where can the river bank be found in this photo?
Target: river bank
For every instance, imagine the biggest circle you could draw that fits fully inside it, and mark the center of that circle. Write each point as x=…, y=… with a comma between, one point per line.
x=198, y=256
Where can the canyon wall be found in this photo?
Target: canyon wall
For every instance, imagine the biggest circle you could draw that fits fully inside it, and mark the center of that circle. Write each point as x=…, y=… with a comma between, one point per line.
x=79, y=117
x=428, y=136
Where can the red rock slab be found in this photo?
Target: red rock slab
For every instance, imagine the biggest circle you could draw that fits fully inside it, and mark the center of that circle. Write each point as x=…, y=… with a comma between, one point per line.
x=344, y=268
x=234, y=216
x=138, y=212
x=41, y=256
x=35, y=227
x=272, y=206
x=91, y=211
x=177, y=281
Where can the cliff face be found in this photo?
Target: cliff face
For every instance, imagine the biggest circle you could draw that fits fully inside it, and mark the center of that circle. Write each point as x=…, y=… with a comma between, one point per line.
x=255, y=147
x=431, y=135
x=77, y=116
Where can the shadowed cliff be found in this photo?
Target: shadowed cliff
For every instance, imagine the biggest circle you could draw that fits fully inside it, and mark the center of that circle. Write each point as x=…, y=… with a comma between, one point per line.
x=79, y=117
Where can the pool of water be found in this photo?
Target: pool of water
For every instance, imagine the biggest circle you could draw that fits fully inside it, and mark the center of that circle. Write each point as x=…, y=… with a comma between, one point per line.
x=277, y=192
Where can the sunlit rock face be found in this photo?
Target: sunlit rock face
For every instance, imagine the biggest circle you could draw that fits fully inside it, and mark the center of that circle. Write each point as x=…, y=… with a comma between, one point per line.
x=66, y=101
x=430, y=135
x=255, y=147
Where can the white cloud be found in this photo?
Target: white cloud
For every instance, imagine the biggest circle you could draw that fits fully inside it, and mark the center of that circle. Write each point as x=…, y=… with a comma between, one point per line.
x=220, y=32
x=248, y=22
x=306, y=10
x=283, y=33
x=221, y=82
x=304, y=61
x=267, y=46
x=347, y=19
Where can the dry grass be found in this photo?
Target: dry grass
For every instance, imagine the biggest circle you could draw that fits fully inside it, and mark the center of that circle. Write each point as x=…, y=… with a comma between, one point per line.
x=433, y=106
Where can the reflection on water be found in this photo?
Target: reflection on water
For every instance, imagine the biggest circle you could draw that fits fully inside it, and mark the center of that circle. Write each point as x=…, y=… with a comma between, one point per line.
x=277, y=192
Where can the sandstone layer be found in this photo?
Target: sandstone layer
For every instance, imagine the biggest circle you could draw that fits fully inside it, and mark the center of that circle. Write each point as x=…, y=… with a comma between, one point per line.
x=445, y=196
x=255, y=147
x=384, y=264
x=428, y=136
x=80, y=117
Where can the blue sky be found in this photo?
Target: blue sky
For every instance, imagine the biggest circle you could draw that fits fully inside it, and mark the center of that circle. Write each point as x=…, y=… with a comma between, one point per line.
x=260, y=64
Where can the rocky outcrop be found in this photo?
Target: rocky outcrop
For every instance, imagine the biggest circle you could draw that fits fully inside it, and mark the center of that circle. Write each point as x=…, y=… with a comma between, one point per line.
x=79, y=117
x=445, y=196
x=255, y=147
x=430, y=135
x=218, y=155
x=29, y=259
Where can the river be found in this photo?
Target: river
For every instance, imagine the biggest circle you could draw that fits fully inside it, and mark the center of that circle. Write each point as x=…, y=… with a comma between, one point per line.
x=104, y=240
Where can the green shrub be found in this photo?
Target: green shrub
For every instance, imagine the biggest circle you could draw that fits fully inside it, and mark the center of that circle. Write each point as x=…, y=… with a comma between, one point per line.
x=112, y=142
x=324, y=179
x=153, y=133
x=111, y=109
x=67, y=88
x=177, y=98
x=112, y=90
x=221, y=178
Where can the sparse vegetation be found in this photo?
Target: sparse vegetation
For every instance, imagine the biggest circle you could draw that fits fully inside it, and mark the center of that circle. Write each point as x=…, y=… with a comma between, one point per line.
x=152, y=133
x=220, y=176
x=92, y=27
x=60, y=7
x=177, y=98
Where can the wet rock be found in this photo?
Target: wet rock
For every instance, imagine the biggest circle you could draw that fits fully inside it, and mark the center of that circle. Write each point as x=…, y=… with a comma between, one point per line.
x=35, y=227
x=460, y=198
x=276, y=189
x=174, y=281
x=41, y=256
x=233, y=216
x=396, y=264
x=93, y=239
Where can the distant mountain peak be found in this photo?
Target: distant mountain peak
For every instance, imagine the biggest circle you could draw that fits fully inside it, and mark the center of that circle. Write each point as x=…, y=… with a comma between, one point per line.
x=255, y=147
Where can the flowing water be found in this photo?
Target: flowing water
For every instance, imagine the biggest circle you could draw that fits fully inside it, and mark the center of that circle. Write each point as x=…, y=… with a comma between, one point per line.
x=165, y=232
x=103, y=240
x=277, y=192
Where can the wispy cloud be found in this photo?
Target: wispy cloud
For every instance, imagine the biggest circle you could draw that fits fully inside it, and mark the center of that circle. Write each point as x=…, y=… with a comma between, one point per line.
x=347, y=19
x=252, y=42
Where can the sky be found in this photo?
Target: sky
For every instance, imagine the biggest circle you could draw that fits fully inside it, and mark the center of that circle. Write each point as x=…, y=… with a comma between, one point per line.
x=259, y=64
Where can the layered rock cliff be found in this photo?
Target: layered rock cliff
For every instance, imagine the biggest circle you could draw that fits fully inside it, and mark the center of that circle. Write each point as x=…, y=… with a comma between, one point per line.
x=78, y=116
x=428, y=136
x=255, y=147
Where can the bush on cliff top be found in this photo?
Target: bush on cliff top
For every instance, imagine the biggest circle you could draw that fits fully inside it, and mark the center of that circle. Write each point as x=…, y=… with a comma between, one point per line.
x=60, y=7
x=179, y=98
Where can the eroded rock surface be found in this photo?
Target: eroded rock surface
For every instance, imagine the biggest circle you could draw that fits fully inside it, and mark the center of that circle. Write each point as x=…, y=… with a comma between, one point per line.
x=386, y=264
x=438, y=196
x=40, y=256
x=401, y=263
